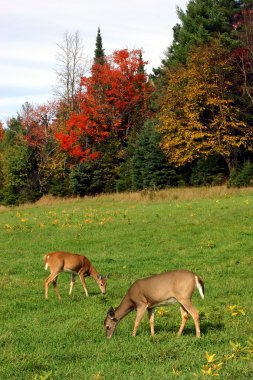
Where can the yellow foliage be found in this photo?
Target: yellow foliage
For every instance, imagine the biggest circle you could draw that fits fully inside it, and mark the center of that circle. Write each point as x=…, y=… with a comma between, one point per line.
x=197, y=116
x=176, y=372
x=210, y=358
x=235, y=310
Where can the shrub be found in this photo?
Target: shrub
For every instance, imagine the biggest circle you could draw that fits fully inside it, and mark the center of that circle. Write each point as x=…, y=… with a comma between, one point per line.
x=241, y=176
x=208, y=171
x=20, y=175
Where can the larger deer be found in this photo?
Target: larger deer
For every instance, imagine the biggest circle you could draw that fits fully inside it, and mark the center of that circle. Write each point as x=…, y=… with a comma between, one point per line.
x=161, y=289
x=75, y=264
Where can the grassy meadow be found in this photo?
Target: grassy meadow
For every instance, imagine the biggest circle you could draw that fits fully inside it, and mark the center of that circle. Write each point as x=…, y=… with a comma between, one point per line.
x=129, y=236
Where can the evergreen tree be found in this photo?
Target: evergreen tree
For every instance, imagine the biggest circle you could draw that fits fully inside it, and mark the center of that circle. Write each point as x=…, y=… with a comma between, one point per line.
x=99, y=51
x=18, y=167
x=141, y=68
x=149, y=164
x=202, y=21
x=94, y=177
x=211, y=170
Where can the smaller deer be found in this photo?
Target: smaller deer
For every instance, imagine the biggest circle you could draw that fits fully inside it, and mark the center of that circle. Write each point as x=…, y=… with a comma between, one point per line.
x=75, y=264
x=161, y=289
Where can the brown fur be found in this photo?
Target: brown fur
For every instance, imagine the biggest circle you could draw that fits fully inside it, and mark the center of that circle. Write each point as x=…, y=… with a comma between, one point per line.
x=60, y=261
x=161, y=289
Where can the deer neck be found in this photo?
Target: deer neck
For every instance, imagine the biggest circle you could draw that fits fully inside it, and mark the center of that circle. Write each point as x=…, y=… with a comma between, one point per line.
x=93, y=273
x=124, y=308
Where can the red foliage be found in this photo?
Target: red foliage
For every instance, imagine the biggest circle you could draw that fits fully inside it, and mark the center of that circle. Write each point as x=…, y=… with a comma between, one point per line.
x=1, y=131
x=109, y=102
x=243, y=17
x=243, y=55
x=37, y=123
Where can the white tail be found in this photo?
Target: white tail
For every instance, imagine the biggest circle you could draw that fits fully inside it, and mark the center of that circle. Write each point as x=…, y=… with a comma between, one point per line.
x=200, y=286
x=161, y=289
x=75, y=264
x=46, y=264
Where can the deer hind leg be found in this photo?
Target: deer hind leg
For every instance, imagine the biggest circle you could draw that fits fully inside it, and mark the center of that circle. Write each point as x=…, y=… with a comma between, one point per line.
x=189, y=308
x=139, y=315
x=185, y=317
x=56, y=288
x=52, y=278
x=81, y=276
x=72, y=282
x=151, y=316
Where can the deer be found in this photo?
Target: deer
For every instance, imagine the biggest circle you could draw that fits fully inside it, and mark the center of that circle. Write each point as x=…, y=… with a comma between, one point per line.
x=158, y=290
x=75, y=264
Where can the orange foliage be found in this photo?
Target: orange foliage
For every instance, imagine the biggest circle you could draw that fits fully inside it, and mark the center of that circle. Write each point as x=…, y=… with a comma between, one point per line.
x=38, y=123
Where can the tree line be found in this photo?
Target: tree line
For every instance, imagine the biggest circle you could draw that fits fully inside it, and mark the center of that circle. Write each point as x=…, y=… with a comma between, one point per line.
x=116, y=128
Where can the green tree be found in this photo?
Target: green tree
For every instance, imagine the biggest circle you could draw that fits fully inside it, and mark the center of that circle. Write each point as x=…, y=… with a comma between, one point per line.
x=202, y=21
x=99, y=51
x=94, y=177
x=2, y=133
x=20, y=182
x=241, y=175
x=211, y=170
x=147, y=167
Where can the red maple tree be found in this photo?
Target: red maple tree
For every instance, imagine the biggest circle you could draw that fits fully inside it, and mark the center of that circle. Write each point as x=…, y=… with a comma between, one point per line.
x=38, y=123
x=111, y=98
x=38, y=130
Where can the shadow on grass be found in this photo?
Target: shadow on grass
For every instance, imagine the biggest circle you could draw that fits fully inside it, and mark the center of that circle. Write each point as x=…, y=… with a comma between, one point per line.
x=205, y=327
x=214, y=326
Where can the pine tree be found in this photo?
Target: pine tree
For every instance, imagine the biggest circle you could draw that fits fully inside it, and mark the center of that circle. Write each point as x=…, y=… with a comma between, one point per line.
x=99, y=51
x=141, y=68
x=149, y=164
x=202, y=21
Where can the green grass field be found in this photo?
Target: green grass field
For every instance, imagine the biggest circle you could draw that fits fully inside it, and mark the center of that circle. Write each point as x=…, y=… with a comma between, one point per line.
x=208, y=231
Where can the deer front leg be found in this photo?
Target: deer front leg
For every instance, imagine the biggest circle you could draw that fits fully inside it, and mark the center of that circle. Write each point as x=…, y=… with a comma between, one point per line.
x=140, y=313
x=151, y=316
x=81, y=276
x=72, y=282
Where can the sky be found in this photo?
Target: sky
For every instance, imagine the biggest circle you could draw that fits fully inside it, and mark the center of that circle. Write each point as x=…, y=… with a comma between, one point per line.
x=30, y=31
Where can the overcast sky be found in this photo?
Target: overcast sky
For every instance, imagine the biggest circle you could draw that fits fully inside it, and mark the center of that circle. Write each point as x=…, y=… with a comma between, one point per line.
x=31, y=29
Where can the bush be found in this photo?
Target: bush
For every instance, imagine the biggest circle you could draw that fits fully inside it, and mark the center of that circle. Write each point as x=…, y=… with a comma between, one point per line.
x=93, y=177
x=241, y=176
x=147, y=167
x=20, y=183
x=208, y=171
x=59, y=187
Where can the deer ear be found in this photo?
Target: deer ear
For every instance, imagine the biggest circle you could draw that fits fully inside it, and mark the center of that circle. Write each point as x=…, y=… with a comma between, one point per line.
x=111, y=313
x=99, y=276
